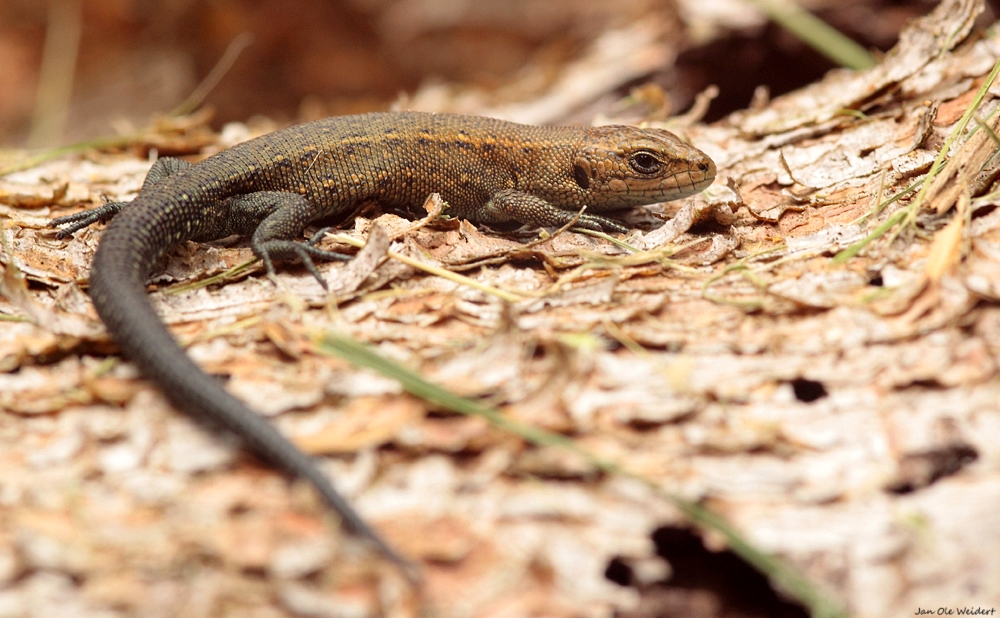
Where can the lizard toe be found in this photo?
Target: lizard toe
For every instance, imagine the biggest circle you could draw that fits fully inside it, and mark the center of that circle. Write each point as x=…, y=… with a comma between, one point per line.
x=306, y=253
x=601, y=224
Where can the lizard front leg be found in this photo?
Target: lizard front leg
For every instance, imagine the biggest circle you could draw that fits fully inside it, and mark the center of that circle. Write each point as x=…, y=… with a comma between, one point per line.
x=521, y=207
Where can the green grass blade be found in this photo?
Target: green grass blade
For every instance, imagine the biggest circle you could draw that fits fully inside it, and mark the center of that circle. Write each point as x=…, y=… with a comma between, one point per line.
x=817, y=34
x=781, y=574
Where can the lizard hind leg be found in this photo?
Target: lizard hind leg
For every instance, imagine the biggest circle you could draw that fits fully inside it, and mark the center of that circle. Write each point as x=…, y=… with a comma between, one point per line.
x=274, y=238
x=105, y=212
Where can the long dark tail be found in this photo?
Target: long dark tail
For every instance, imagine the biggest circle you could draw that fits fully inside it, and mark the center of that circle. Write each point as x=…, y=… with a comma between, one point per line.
x=117, y=288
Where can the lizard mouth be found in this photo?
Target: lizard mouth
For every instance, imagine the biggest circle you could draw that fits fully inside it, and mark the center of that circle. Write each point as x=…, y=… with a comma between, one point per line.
x=697, y=177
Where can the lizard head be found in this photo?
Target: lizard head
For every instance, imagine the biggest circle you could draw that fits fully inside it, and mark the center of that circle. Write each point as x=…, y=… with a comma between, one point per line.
x=621, y=166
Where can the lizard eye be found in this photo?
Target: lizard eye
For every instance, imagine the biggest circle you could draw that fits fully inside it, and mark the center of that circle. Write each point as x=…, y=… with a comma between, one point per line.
x=644, y=163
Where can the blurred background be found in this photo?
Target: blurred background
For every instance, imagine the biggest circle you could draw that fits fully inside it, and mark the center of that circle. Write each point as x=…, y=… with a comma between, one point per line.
x=77, y=69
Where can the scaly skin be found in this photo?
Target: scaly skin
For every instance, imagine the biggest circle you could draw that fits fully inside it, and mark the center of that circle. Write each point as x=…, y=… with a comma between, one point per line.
x=272, y=187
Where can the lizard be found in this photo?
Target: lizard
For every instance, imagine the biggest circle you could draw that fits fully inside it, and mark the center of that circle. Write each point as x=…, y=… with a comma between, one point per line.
x=273, y=187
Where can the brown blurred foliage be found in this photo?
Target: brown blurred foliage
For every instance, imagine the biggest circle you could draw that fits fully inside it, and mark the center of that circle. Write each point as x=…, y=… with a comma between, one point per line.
x=308, y=57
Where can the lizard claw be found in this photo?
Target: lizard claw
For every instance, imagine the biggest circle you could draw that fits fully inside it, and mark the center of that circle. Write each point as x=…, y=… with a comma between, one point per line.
x=318, y=236
x=270, y=250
